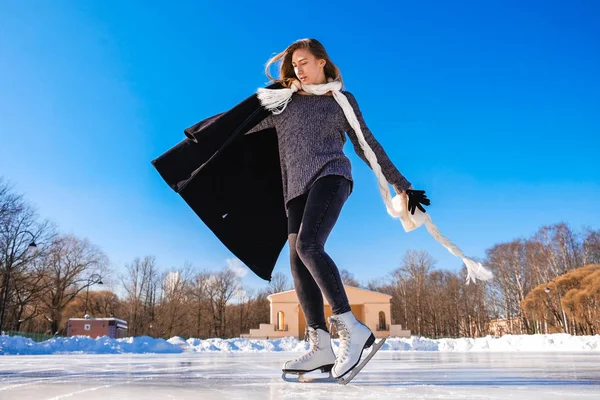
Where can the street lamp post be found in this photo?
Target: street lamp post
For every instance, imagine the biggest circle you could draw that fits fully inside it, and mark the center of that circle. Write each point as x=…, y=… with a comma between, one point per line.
x=32, y=247
x=90, y=281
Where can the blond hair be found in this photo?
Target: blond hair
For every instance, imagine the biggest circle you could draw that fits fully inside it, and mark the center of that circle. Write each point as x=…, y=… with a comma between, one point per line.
x=286, y=69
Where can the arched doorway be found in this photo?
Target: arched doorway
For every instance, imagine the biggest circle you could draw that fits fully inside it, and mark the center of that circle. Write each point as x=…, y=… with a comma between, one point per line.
x=382, y=325
x=280, y=321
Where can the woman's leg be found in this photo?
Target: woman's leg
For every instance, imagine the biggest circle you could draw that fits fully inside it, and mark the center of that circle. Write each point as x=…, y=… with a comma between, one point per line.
x=320, y=355
x=309, y=294
x=321, y=211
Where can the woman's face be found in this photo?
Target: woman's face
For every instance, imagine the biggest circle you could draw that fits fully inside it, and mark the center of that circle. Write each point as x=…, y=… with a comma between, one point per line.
x=308, y=69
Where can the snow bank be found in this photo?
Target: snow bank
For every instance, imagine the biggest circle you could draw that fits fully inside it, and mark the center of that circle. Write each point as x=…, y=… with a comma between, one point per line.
x=144, y=344
x=531, y=343
x=86, y=345
x=553, y=342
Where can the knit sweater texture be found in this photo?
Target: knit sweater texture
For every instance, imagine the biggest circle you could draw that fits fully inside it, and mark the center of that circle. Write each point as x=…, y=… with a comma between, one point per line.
x=311, y=133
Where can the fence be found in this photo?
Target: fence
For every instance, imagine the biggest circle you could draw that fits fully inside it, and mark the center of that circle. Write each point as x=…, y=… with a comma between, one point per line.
x=36, y=337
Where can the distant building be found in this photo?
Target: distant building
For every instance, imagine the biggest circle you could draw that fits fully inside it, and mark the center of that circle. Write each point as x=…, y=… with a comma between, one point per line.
x=502, y=326
x=96, y=327
x=171, y=282
x=287, y=319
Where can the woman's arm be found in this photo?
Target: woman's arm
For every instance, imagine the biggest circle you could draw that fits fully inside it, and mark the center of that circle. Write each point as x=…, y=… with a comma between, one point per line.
x=268, y=122
x=390, y=172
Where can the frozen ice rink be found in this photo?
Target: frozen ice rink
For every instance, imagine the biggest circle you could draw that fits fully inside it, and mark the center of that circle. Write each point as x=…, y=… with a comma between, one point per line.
x=248, y=376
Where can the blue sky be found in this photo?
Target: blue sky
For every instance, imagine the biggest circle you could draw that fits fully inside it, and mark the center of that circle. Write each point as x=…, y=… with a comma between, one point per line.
x=492, y=108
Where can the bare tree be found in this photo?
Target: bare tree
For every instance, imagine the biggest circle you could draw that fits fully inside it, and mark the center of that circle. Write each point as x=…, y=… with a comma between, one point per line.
x=10, y=202
x=513, y=277
x=348, y=278
x=258, y=311
x=221, y=288
x=141, y=285
x=172, y=309
x=19, y=230
x=29, y=285
x=591, y=246
x=242, y=311
x=101, y=303
x=104, y=303
x=399, y=301
x=560, y=248
x=198, y=296
x=69, y=263
x=417, y=264
x=279, y=283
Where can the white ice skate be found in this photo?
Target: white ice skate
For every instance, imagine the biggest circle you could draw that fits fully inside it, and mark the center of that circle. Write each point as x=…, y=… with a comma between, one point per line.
x=354, y=338
x=320, y=356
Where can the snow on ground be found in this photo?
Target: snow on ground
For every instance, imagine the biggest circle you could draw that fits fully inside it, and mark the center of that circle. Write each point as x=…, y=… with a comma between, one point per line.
x=15, y=345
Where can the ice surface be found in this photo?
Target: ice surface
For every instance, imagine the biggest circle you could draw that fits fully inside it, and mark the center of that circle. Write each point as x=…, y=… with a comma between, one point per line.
x=555, y=366
x=226, y=375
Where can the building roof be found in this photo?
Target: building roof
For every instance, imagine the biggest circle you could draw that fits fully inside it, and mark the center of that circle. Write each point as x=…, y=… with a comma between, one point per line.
x=99, y=319
x=290, y=295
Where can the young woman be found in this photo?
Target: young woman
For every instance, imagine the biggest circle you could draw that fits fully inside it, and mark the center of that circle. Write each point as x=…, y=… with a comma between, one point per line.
x=312, y=115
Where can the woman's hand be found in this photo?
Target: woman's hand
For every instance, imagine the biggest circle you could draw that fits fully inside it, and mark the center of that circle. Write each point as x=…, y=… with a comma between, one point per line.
x=415, y=199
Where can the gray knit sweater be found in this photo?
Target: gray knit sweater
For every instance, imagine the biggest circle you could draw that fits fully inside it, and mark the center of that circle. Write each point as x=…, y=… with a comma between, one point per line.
x=311, y=135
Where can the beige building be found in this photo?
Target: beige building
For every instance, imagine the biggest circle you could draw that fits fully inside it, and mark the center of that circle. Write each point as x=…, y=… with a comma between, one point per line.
x=287, y=319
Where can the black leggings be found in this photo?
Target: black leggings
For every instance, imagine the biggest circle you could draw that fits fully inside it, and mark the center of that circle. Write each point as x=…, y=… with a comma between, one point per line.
x=311, y=218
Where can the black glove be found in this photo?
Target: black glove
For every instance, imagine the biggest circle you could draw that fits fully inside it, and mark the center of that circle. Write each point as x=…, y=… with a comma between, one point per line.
x=415, y=199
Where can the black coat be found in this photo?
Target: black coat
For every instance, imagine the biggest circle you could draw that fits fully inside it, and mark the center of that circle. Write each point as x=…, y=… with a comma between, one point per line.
x=233, y=182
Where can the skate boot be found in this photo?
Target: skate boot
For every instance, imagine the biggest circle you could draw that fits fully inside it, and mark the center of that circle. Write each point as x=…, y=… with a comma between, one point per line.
x=320, y=356
x=354, y=338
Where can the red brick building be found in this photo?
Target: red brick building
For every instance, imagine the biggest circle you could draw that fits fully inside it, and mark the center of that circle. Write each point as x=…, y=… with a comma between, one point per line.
x=96, y=327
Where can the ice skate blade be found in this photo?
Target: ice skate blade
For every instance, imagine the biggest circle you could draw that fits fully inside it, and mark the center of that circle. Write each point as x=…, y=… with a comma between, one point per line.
x=304, y=379
x=376, y=346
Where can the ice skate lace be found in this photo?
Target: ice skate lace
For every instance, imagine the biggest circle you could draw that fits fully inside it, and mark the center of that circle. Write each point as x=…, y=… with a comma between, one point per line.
x=314, y=344
x=344, y=335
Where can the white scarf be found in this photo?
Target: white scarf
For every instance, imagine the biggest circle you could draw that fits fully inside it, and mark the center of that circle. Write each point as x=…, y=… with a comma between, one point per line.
x=276, y=100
